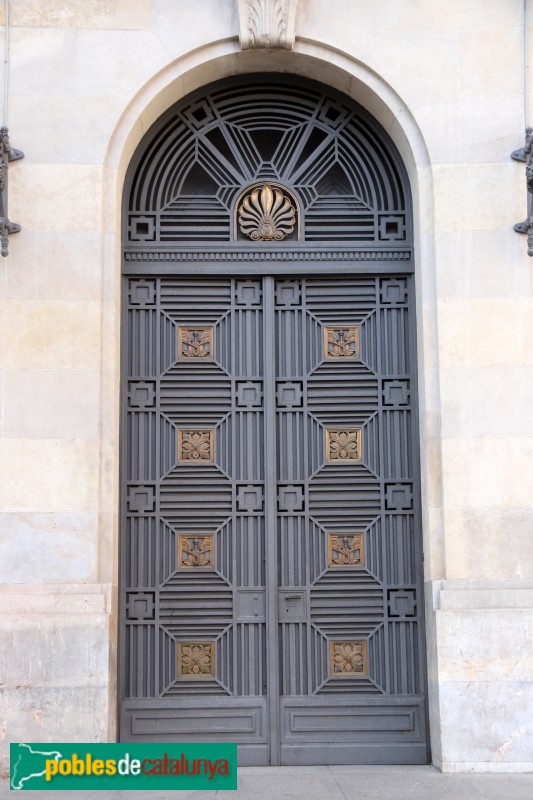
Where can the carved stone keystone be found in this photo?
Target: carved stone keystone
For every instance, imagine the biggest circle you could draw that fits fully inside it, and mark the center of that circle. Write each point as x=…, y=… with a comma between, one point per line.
x=267, y=23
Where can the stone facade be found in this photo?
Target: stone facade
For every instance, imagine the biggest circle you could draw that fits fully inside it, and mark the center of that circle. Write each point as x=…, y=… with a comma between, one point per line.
x=446, y=80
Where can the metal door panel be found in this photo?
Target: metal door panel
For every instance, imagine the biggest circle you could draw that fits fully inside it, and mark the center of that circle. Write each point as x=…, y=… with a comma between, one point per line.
x=257, y=549
x=194, y=650
x=350, y=639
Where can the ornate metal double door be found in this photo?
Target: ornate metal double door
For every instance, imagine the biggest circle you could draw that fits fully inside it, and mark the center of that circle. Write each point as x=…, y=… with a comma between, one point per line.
x=270, y=546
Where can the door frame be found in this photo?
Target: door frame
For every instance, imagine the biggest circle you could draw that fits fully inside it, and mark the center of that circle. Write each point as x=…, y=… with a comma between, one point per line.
x=368, y=263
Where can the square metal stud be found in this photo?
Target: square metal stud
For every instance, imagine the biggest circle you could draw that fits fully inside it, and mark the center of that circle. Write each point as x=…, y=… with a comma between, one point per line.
x=343, y=445
x=391, y=227
x=141, y=394
x=199, y=113
x=347, y=659
x=249, y=394
x=291, y=498
x=250, y=498
x=402, y=603
x=196, y=445
x=393, y=291
x=196, y=660
x=142, y=293
x=342, y=342
x=290, y=394
x=195, y=343
x=142, y=229
x=396, y=393
x=332, y=114
x=141, y=499
x=288, y=293
x=346, y=549
x=196, y=551
x=399, y=496
x=248, y=293
x=140, y=605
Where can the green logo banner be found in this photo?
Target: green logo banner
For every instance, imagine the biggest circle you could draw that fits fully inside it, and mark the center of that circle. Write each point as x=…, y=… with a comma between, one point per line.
x=122, y=766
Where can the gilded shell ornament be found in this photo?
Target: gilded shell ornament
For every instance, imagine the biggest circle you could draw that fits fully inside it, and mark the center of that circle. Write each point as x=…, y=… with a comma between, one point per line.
x=267, y=214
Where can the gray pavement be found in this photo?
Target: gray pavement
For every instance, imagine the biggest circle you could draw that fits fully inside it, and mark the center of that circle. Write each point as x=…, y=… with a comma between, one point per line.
x=332, y=783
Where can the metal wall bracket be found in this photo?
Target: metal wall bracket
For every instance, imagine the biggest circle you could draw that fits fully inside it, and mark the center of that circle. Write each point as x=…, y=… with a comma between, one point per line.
x=525, y=154
x=7, y=154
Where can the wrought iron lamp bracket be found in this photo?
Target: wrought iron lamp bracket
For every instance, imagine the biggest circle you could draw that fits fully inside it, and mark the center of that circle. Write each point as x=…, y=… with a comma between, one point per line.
x=7, y=154
x=525, y=154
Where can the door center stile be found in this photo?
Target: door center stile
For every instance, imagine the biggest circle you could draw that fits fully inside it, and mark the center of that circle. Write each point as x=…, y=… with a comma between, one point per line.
x=271, y=537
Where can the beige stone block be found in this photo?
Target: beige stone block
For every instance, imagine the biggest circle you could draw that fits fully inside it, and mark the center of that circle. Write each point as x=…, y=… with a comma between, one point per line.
x=488, y=645
x=429, y=401
x=486, y=332
x=426, y=63
x=48, y=475
x=184, y=26
x=425, y=268
x=489, y=542
x=410, y=15
x=52, y=605
x=469, y=739
x=48, y=547
x=49, y=334
x=110, y=321
x=487, y=401
x=53, y=713
x=56, y=197
x=41, y=61
x=482, y=264
x=123, y=14
x=111, y=262
x=470, y=130
x=432, y=472
x=110, y=394
x=1, y=403
x=491, y=61
x=478, y=197
x=108, y=62
x=108, y=488
x=108, y=526
x=487, y=472
x=51, y=404
x=65, y=129
x=433, y=543
x=58, y=265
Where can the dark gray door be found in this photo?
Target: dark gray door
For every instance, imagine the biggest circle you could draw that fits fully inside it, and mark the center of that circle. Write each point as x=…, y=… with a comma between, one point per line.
x=271, y=556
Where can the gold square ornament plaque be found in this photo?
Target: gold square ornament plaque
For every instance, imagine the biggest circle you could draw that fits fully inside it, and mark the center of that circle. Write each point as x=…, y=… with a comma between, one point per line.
x=196, y=551
x=347, y=659
x=346, y=549
x=196, y=660
x=341, y=342
x=195, y=343
x=196, y=445
x=343, y=445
